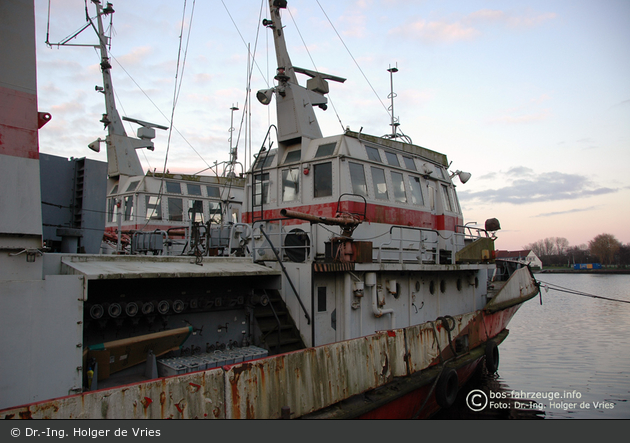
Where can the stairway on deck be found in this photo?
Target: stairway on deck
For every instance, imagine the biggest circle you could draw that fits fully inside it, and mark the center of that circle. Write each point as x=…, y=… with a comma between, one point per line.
x=288, y=339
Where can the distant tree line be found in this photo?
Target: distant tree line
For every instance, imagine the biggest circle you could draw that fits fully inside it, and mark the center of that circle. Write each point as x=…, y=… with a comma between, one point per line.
x=604, y=249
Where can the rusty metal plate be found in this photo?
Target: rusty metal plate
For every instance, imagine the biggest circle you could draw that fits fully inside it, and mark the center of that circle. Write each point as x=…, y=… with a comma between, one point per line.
x=195, y=395
x=306, y=380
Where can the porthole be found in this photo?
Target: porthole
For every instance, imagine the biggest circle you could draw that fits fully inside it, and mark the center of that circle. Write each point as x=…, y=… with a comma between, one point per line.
x=417, y=285
x=476, y=282
x=459, y=284
x=442, y=286
x=432, y=287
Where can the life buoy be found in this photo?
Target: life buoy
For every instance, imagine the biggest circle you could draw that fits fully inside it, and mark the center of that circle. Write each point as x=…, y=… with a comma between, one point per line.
x=447, y=387
x=492, y=357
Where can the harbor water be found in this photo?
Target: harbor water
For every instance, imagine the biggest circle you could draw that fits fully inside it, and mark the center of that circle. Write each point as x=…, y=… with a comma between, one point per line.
x=567, y=358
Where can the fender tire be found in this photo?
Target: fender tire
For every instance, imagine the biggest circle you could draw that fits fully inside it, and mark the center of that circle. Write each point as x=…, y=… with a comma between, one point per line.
x=492, y=357
x=447, y=388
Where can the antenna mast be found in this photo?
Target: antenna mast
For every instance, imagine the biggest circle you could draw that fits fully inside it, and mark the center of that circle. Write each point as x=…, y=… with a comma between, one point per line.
x=395, y=123
x=233, y=149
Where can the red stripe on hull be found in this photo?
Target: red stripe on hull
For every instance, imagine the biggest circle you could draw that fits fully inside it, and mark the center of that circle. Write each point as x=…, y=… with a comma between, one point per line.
x=373, y=214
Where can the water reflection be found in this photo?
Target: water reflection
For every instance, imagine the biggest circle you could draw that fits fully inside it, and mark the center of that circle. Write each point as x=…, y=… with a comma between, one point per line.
x=571, y=345
x=487, y=397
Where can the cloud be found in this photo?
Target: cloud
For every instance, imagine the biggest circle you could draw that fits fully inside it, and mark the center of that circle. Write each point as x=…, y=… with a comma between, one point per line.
x=354, y=22
x=437, y=31
x=621, y=103
x=470, y=26
x=523, y=185
x=570, y=211
x=137, y=57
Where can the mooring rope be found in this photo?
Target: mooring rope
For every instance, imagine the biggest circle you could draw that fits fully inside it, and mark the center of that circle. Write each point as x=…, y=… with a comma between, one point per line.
x=558, y=288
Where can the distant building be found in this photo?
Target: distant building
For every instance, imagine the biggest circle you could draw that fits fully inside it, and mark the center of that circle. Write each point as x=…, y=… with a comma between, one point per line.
x=525, y=256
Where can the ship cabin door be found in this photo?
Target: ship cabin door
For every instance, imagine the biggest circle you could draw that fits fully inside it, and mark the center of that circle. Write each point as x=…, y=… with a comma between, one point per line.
x=325, y=315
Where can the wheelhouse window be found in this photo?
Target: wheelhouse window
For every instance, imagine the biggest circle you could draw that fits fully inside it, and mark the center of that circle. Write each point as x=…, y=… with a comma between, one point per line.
x=114, y=190
x=193, y=189
x=392, y=159
x=373, y=154
x=380, y=185
x=213, y=191
x=399, y=187
x=325, y=150
x=439, y=172
x=357, y=178
x=322, y=180
x=195, y=210
x=175, y=209
x=132, y=186
x=409, y=163
x=173, y=187
x=290, y=184
x=129, y=208
x=452, y=198
x=446, y=199
x=111, y=209
x=215, y=212
x=261, y=190
x=153, y=207
x=293, y=156
x=264, y=160
x=416, y=191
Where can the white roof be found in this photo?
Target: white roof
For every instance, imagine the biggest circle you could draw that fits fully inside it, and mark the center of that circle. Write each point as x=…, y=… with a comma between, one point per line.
x=141, y=266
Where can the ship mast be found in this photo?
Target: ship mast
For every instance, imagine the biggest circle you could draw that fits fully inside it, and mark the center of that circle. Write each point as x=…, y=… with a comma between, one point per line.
x=297, y=122
x=111, y=119
x=122, y=158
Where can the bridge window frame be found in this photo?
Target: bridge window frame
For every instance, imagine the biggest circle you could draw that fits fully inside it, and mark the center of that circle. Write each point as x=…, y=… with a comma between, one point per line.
x=358, y=180
x=322, y=180
x=379, y=182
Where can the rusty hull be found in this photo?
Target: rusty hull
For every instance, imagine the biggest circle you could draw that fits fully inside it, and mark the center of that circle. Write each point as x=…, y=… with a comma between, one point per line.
x=303, y=382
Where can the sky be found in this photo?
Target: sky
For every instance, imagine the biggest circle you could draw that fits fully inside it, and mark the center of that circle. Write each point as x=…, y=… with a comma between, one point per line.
x=531, y=97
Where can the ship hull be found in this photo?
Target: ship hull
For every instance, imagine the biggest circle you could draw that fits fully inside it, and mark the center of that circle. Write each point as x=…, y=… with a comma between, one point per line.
x=315, y=383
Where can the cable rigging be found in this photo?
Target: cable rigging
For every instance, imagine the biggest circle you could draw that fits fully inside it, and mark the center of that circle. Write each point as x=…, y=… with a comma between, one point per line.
x=554, y=287
x=353, y=59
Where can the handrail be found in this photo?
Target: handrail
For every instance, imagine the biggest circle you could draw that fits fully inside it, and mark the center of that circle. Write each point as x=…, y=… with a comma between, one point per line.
x=279, y=325
x=364, y=215
x=468, y=231
x=284, y=271
x=400, y=240
x=283, y=248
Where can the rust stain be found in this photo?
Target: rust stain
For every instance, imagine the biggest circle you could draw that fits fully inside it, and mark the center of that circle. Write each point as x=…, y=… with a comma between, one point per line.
x=193, y=387
x=162, y=402
x=26, y=415
x=236, y=398
x=181, y=405
x=146, y=401
x=244, y=367
x=250, y=411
